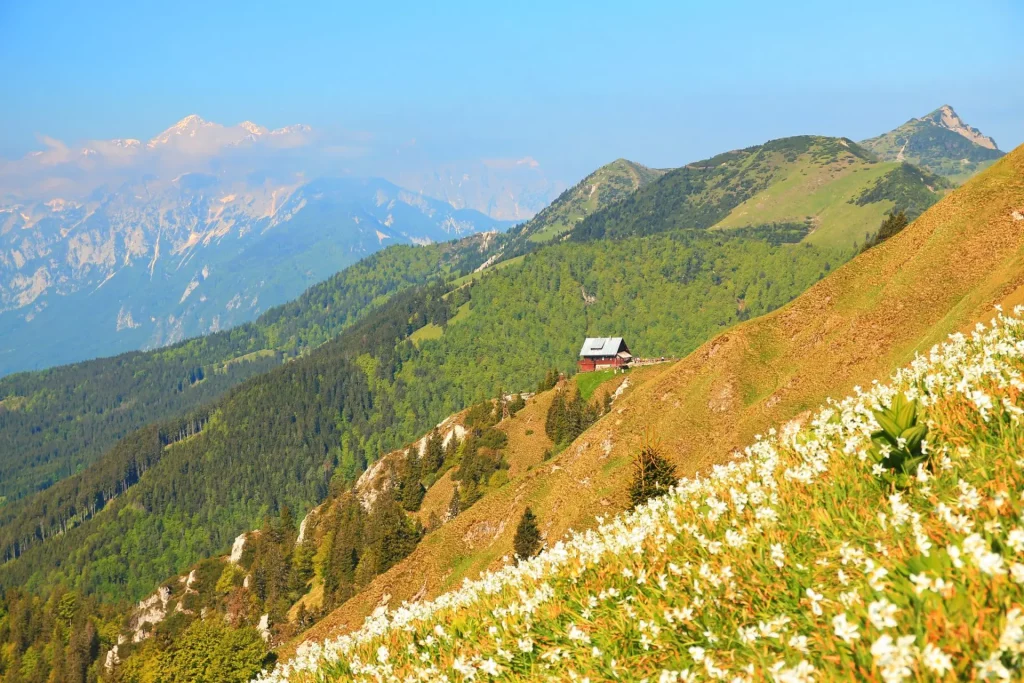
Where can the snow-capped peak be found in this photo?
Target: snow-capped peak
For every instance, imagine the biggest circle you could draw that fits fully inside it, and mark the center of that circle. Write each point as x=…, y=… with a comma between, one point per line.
x=187, y=126
x=296, y=128
x=253, y=128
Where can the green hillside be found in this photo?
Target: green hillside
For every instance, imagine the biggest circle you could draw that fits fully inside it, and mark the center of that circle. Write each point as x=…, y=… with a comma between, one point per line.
x=941, y=274
x=940, y=142
x=371, y=389
x=798, y=561
x=56, y=422
x=179, y=490
x=605, y=186
x=829, y=189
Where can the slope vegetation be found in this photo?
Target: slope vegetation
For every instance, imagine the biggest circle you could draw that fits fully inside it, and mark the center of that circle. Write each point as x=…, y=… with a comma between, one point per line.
x=798, y=561
x=939, y=275
x=940, y=142
x=829, y=191
x=58, y=421
x=605, y=186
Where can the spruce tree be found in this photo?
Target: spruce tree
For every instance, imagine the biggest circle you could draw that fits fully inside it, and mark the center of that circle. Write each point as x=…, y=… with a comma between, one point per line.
x=433, y=456
x=653, y=475
x=527, y=540
x=454, y=505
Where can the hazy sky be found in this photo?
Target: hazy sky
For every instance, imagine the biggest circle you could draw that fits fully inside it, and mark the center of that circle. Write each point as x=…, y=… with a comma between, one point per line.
x=573, y=85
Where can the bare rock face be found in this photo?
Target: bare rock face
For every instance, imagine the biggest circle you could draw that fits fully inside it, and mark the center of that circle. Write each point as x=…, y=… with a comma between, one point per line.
x=264, y=627
x=950, y=120
x=152, y=610
x=111, y=660
x=237, y=548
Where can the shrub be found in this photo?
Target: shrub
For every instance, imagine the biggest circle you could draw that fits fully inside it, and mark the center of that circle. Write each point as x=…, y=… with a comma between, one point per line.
x=527, y=540
x=653, y=475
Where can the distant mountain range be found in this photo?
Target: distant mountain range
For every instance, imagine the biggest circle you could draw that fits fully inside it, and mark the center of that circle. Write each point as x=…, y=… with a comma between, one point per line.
x=940, y=142
x=130, y=244
x=196, y=230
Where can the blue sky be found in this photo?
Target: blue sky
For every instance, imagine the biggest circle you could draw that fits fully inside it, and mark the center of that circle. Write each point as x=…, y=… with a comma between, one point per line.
x=572, y=84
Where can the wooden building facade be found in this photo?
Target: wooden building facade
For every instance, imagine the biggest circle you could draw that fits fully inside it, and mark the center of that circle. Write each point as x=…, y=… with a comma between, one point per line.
x=603, y=353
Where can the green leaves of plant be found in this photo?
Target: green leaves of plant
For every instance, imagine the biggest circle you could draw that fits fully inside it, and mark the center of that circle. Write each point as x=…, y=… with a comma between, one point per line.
x=898, y=445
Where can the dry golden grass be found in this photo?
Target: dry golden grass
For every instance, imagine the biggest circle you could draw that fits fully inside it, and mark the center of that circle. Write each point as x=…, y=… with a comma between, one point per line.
x=942, y=273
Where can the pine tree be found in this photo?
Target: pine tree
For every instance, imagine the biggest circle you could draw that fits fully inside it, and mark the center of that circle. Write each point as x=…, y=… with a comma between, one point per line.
x=527, y=540
x=653, y=475
x=454, y=505
x=412, y=489
x=433, y=456
x=891, y=226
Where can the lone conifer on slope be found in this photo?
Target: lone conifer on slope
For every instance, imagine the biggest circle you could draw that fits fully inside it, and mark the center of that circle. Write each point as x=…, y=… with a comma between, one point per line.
x=527, y=540
x=653, y=475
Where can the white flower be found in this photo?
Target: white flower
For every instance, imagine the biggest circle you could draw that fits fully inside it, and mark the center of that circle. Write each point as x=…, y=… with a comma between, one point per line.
x=882, y=613
x=382, y=654
x=935, y=660
x=816, y=599
x=798, y=643
x=1017, y=572
x=697, y=653
x=844, y=630
x=992, y=669
x=578, y=635
x=877, y=579
x=1015, y=539
x=801, y=673
x=894, y=658
x=490, y=667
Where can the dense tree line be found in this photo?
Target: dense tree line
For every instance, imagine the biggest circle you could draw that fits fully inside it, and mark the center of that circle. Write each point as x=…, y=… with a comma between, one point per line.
x=58, y=421
x=76, y=499
x=56, y=640
x=909, y=188
x=278, y=439
x=569, y=416
x=891, y=226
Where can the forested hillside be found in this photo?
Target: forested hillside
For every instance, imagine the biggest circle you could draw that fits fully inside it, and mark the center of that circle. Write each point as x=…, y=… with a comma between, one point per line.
x=607, y=185
x=371, y=389
x=55, y=422
x=830, y=190
x=886, y=308
x=283, y=438
x=940, y=142
x=191, y=475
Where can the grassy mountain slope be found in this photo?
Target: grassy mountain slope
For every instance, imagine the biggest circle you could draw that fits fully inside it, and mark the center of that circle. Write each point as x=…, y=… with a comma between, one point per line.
x=939, y=275
x=798, y=561
x=370, y=389
x=829, y=189
x=56, y=422
x=940, y=142
x=605, y=186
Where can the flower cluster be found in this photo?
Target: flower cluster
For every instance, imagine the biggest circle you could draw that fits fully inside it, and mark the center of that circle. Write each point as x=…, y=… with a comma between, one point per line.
x=798, y=560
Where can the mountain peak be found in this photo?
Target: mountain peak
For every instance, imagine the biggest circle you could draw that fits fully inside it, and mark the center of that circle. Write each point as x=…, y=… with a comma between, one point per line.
x=190, y=121
x=940, y=142
x=187, y=126
x=253, y=128
x=946, y=117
